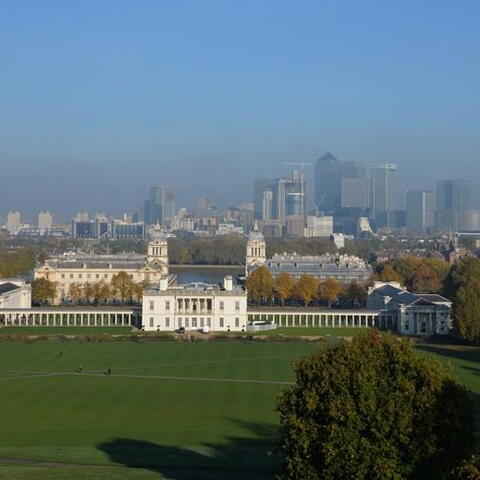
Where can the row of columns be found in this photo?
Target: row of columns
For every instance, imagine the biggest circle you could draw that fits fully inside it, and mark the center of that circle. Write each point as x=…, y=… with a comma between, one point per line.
x=319, y=320
x=72, y=319
x=194, y=305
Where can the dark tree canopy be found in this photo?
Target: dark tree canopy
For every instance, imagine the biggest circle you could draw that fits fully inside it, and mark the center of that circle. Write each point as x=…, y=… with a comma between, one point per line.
x=462, y=285
x=374, y=409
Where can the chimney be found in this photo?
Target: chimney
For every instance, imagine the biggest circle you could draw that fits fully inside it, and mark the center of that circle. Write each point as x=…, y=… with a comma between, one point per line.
x=228, y=283
x=163, y=284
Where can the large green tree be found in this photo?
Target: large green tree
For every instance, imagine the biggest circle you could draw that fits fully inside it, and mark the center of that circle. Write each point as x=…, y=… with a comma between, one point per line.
x=260, y=285
x=306, y=288
x=374, y=409
x=284, y=286
x=43, y=291
x=462, y=286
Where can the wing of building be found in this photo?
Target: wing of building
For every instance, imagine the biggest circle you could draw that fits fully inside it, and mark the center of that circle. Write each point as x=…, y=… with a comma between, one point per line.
x=64, y=270
x=15, y=293
x=413, y=313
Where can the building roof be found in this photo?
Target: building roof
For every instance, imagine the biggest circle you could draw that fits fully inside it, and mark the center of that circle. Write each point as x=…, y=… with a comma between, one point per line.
x=388, y=290
x=7, y=287
x=255, y=235
x=195, y=288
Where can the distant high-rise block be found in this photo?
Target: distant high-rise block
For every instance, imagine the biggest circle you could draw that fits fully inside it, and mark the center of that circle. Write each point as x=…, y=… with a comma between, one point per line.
x=421, y=208
x=384, y=176
x=454, y=200
x=206, y=207
x=327, y=182
x=13, y=222
x=259, y=186
x=45, y=221
x=357, y=193
x=160, y=206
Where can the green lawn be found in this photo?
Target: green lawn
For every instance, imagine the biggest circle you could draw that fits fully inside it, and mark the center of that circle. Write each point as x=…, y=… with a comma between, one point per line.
x=182, y=410
x=313, y=331
x=64, y=330
x=168, y=410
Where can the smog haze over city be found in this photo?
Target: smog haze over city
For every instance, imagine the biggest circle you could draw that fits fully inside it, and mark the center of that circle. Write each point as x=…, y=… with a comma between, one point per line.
x=100, y=100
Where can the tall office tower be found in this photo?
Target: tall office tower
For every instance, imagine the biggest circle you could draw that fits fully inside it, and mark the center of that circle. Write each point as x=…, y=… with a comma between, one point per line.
x=206, y=207
x=45, y=221
x=384, y=176
x=259, y=185
x=13, y=222
x=327, y=182
x=357, y=193
x=296, y=196
x=421, y=208
x=267, y=205
x=160, y=206
x=454, y=200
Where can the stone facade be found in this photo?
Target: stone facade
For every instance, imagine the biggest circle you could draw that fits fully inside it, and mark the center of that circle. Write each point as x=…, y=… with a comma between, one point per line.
x=64, y=270
x=195, y=306
x=422, y=314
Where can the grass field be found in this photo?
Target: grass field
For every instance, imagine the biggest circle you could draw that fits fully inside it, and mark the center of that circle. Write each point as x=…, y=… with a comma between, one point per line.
x=64, y=330
x=184, y=410
x=313, y=331
x=171, y=410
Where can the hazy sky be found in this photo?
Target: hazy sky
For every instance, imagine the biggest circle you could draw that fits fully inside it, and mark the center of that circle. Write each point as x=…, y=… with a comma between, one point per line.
x=100, y=99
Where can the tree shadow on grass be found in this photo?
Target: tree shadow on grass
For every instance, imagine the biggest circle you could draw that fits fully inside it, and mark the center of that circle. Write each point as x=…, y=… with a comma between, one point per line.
x=236, y=458
x=469, y=354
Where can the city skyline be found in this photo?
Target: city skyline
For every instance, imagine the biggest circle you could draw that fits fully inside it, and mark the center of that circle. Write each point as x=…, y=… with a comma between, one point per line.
x=100, y=101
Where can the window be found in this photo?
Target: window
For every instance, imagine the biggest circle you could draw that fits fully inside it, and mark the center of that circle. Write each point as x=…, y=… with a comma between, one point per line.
x=237, y=306
x=180, y=321
x=97, y=276
x=151, y=304
x=105, y=275
x=222, y=323
x=167, y=305
x=237, y=323
x=194, y=323
x=63, y=275
x=221, y=305
x=186, y=322
x=209, y=322
x=88, y=275
x=79, y=275
x=71, y=275
x=407, y=325
x=167, y=322
x=202, y=322
x=151, y=321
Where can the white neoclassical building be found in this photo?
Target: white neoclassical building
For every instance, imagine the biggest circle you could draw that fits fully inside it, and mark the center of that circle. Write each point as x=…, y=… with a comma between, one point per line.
x=419, y=314
x=79, y=268
x=195, y=306
x=15, y=293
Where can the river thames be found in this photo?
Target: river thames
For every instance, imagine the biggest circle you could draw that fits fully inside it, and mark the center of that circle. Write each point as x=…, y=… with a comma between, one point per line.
x=205, y=273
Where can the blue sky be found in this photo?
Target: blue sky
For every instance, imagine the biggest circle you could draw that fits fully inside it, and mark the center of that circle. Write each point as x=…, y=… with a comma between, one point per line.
x=100, y=99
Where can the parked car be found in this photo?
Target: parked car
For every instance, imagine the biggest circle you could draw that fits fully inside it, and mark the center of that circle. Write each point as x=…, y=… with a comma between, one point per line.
x=180, y=330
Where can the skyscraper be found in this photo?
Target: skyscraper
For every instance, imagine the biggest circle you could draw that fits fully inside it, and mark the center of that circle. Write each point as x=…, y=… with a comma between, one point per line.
x=13, y=222
x=259, y=185
x=160, y=206
x=327, y=183
x=421, y=208
x=45, y=220
x=454, y=199
x=384, y=177
x=206, y=207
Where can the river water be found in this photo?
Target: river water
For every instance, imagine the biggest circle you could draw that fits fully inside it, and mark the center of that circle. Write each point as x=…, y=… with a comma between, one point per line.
x=206, y=274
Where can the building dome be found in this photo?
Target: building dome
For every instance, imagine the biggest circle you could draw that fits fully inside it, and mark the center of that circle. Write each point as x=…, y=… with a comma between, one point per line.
x=255, y=235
